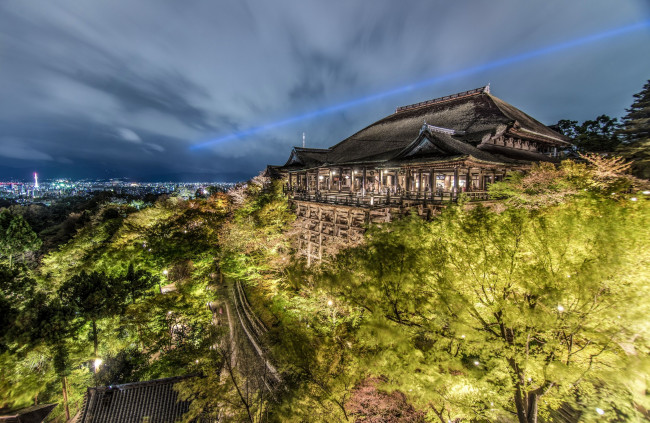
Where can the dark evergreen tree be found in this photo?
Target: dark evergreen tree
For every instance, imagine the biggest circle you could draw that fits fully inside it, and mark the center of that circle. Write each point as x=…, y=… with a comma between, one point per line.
x=136, y=283
x=94, y=296
x=637, y=133
x=598, y=135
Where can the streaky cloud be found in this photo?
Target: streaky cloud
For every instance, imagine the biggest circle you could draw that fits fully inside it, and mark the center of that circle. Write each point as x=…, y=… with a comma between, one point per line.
x=615, y=32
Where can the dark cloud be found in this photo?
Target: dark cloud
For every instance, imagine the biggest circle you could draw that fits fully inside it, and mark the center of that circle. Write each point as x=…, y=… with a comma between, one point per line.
x=123, y=88
x=167, y=94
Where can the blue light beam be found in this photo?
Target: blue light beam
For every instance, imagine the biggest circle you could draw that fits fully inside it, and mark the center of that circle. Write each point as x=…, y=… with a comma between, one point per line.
x=406, y=88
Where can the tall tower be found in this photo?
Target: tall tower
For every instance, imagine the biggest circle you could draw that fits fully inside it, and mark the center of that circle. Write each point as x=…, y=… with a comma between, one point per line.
x=35, y=180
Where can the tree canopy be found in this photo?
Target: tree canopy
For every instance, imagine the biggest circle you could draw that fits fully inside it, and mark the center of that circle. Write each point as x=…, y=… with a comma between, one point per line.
x=485, y=313
x=16, y=236
x=597, y=135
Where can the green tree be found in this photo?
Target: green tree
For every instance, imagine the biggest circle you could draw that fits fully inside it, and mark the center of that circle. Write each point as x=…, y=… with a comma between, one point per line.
x=51, y=323
x=94, y=296
x=598, y=135
x=16, y=237
x=637, y=133
x=16, y=291
x=136, y=283
x=482, y=314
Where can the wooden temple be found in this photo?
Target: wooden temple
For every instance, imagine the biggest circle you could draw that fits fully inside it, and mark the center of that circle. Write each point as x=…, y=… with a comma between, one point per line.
x=422, y=156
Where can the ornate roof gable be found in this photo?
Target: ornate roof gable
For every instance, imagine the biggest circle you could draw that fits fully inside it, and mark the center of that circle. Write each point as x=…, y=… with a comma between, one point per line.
x=426, y=144
x=294, y=159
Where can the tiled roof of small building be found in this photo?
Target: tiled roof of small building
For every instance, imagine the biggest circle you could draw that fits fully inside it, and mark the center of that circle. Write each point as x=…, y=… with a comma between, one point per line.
x=153, y=401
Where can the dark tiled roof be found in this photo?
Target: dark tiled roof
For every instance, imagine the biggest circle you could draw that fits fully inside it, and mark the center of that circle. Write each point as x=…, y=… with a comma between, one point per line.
x=307, y=157
x=441, y=145
x=471, y=115
x=530, y=156
x=527, y=123
x=133, y=402
x=33, y=414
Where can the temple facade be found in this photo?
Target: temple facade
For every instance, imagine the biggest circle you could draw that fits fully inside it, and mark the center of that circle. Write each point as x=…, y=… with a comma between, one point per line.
x=422, y=156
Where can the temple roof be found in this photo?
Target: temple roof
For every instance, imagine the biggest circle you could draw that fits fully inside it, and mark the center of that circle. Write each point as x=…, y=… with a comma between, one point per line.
x=153, y=401
x=307, y=157
x=465, y=118
x=434, y=144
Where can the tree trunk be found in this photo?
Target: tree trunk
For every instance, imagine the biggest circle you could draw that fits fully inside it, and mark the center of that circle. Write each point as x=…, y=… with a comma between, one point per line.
x=95, y=339
x=64, y=385
x=521, y=406
x=526, y=406
x=532, y=408
x=11, y=261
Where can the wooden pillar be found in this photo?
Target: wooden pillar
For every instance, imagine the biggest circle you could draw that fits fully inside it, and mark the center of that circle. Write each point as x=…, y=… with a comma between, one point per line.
x=329, y=181
x=320, y=233
x=456, y=180
x=420, y=187
x=468, y=180
x=396, y=181
x=381, y=182
x=363, y=182
x=407, y=182
x=432, y=181
x=340, y=178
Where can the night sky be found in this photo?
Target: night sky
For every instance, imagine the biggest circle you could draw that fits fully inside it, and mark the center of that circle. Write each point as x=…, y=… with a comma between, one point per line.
x=124, y=88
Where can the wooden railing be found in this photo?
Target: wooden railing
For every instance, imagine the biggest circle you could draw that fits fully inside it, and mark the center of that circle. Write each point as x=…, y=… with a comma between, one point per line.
x=405, y=198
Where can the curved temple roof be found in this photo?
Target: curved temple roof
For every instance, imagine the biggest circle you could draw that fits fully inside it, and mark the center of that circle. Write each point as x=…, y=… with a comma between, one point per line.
x=463, y=118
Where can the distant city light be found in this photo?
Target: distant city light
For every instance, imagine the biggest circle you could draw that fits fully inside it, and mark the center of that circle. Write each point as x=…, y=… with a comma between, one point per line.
x=427, y=82
x=476, y=363
x=330, y=303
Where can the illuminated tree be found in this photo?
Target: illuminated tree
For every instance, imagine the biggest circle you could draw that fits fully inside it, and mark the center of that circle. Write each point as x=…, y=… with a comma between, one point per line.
x=94, y=296
x=51, y=323
x=137, y=283
x=16, y=236
x=482, y=314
